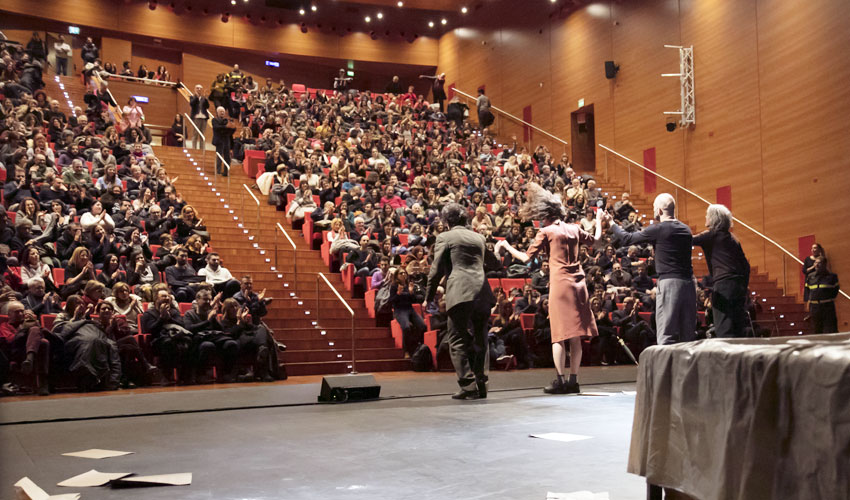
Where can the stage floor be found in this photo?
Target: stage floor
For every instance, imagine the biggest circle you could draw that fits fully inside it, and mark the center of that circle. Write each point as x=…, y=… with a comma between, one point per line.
x=405, y=446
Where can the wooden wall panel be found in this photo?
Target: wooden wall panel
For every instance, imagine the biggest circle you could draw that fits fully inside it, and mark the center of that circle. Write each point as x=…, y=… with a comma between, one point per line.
x=161, y=108
x=804, y=66
x=153, y=57
x=116, y=51
x=770, y=94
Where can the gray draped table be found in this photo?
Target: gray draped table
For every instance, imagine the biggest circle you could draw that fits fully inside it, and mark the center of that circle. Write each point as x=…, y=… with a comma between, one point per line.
x=745, y=419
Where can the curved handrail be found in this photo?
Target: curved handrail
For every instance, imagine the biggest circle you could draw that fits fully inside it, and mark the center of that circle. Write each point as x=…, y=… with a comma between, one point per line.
x=515, y=118
x=197, y=130
x=350, y=310
x=695, y=195
x=145, y=80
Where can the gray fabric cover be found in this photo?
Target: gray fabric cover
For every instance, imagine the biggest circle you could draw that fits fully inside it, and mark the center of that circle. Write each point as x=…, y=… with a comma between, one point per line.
x=745, y=419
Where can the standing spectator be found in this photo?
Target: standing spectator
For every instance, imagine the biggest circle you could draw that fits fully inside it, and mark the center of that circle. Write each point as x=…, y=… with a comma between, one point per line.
x=394, y=87
x=200, y=116
x=63, y=54
x=341, y=82
x=438, y=90
x=36, y=48
x=223, y=129
x=820, y=293
x=809, y=262
x=89, y=53
x=485, y=116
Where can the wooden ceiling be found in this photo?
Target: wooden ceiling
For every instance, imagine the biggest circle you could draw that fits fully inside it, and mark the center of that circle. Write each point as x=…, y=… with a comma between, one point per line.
x=438, y=5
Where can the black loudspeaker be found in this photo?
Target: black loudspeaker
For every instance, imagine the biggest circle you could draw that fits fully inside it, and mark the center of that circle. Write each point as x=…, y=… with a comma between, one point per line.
x=344, y=388
x=611, y=70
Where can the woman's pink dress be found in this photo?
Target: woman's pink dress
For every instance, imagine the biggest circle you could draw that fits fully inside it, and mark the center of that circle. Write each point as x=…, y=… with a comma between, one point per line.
x=569, y=305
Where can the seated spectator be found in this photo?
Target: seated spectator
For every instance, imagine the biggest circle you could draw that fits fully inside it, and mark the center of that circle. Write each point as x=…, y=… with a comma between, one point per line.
x=135, y=368
x=302, y=203
x=40, y=302
x=540, y=279
x=219, y=277
x=619, y=280
x=182, y=278
x=22, y=341
x=403, y=294
x=256, y=303
x=507, y=328
x=632, y=326
x=93, y=358
x=97, y=217
x=126, y=304
x=254, y=343
x=171, y=341
x=201, y=320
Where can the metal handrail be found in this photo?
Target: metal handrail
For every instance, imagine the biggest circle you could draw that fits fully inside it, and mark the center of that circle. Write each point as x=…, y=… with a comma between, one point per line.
x=515, y=118
x=146, y=80
x=255, y=201
x=695, y=195
x=186, y=115
x=350, y=310
x=294, y=258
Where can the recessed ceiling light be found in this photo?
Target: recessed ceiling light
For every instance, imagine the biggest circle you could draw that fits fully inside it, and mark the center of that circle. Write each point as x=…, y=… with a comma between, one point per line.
x=443, y=21
x=430, y=24
x=401, y=4
x=312, y=7
x=232, y=2
x=380, y=15
x=368, y=19
x=301, y=12
x=463, y=10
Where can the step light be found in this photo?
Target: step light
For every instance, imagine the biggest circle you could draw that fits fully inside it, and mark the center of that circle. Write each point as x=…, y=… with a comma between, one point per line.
x=307, y=313
x=324, y=332
x=339, y=355
x=330, y=344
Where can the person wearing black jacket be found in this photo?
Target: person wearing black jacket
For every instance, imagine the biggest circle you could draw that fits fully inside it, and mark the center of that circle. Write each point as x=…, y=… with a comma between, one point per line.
x=363, y=258
x=223, y=129
x=201, y=321
x=729, y=270
x=632, y=327
x=820, y=293
x=256, y=303
x=163, y=322
x=200, y=116
x=676, y=310
x=403, y=294
x=89, y=53
x=182, y=277
x=36, y=47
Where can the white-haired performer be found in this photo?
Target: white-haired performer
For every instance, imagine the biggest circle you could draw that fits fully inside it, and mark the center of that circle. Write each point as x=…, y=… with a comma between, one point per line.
x=676, y=300
x=570, y=314
x=730, y=272
x=223, y=129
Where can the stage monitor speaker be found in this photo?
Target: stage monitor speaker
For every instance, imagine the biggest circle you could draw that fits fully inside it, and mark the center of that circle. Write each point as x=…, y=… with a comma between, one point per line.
x=344, y=388
x=611, y=70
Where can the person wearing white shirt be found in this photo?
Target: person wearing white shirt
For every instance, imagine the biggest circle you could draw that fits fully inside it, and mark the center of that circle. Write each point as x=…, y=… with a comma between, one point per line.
x=219, y=277
x=97, y=216
x=63, y=54
x=133, y=113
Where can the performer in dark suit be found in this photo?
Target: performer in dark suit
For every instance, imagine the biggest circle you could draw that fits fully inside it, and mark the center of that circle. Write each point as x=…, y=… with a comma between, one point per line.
x=730, y=272
x=200, y=116
x=223, y=129
x=459, y=255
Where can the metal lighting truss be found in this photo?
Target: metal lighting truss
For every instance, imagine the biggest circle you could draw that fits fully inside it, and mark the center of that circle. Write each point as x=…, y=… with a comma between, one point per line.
x=687, y=109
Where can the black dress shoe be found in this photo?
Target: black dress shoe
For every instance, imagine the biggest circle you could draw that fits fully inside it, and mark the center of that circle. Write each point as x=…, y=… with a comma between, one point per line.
x=556, y=387
x=571, y=388
x=464, y=394
x=482, y=390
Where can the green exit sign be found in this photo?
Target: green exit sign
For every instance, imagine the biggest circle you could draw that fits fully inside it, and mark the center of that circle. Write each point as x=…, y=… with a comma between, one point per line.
x=581, y=103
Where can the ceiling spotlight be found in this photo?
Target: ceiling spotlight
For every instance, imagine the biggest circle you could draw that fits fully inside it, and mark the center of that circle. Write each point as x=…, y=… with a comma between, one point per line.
x=443, y=21
x=380, y=15
x=312, y=7
x=401, y=4
x=232, y=2
x=463, y=10
x=368, y=19
x=301, y=12
x=430, y=24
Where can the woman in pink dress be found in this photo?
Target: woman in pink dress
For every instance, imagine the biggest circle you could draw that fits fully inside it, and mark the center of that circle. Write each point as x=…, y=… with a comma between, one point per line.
x=569, y=306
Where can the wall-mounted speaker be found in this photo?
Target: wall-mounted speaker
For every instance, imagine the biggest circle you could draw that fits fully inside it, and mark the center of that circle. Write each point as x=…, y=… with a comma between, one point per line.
x=611, y=70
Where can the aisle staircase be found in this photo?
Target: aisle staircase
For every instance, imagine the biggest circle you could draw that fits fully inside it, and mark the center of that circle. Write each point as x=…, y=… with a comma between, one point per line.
x=318, y=337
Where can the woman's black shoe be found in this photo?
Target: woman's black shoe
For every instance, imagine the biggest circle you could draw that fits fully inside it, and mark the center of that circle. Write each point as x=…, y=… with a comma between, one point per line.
x=464, y=394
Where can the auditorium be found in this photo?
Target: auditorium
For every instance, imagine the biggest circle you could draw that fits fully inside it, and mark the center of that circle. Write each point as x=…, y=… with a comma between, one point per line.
x=369, y=249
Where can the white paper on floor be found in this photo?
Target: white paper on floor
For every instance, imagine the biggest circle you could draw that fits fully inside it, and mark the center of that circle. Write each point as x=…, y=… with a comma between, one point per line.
x=179, y=479
x=630, y=393
x=25, y=489
x=577, y=495
x=92, y=478
x=595, y=394
x=560, y=436
x=97, y=454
